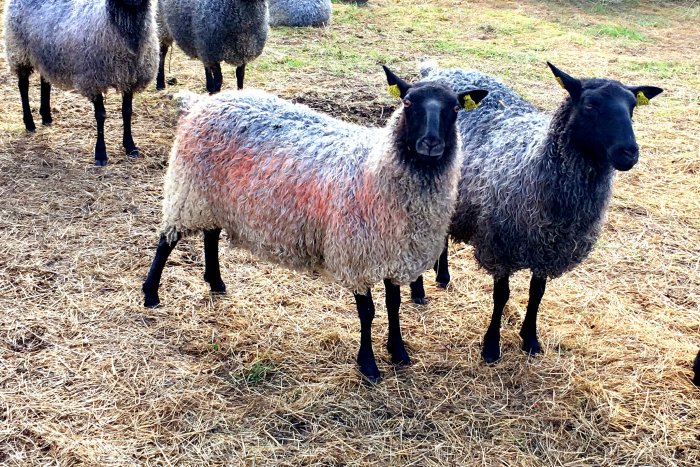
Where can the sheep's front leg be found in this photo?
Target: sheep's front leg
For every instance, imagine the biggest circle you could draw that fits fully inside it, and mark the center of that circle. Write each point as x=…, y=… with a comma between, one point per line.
x=418, y=291
x=23, y=80
x=491, y=351
x=529, y=330
x=209, y=79
x=128, y=140
x=240, y=75
x=395, y=344
x=152, y=282
x=100, y=117
x=45, y=108
x=442, y=276
x=365, y=357
x=160, y=79
x=212, y=271
x=696, y=370
x=218, y=77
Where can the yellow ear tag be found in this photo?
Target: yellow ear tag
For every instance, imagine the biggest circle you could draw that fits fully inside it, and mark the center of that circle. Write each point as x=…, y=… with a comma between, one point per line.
x=394, y=91
x=469, y=103
x=561, y=83
x=642, y=99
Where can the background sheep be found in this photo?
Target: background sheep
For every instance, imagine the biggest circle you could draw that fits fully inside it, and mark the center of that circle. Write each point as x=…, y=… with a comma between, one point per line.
x=233, y=31
x=534, y=188
x=313, y=193
x=300, y=13
x=85, y=45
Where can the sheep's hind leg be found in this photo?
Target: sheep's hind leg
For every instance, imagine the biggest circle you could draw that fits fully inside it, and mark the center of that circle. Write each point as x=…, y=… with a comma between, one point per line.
x=418, y=291
x=218, y=77
x=212, y=272
x=365, y=357
x=442, y=276
x=529, y=330
x=240, y=76
x=696, y=370
x=23, y=78
x=395, y=344
x=128, y=140
x=45, y=108
x=100, y=117
x=152, y=282
x=160, y=79
x=209, y=79
x=491, y=351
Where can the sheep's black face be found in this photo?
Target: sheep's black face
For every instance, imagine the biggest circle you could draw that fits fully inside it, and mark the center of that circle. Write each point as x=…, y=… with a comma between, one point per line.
x=600, y=121
x=430, y=114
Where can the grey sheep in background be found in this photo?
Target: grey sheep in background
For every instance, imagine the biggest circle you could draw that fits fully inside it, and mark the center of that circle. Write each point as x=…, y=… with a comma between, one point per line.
x=534, y=187
x=213, y=31
x=300, y=13
x=84, y=45
x=313, y=193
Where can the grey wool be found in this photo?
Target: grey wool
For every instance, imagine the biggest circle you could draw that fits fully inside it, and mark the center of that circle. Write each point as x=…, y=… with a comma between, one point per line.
x=526, y=200
x=305, y=190
x=82, y=45
x=300, y=13
x=214, y=31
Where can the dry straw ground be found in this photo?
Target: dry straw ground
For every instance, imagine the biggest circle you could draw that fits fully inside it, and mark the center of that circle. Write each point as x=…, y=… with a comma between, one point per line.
x=266, y=375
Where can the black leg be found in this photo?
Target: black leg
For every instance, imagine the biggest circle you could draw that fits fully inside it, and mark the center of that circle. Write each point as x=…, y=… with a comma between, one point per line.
x=218, y=77
x=100, y=117
x=210, y=79
x=418, y=291
x=492, y=340
x=152, y=282
x=23, y=76
x=394, y=343
x=240, y=75
x=442, y=276
x=160, y=79
x=128, y=141
x=529, y=330
x=45, y=108
x=365, y=357
x=212, y=272
x=696, y=370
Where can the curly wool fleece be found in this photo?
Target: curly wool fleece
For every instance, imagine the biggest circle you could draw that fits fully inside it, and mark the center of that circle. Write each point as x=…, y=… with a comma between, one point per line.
x=306, y=190
x=526, y=200
x=75, y=45
x=233, y=31
x=300, y=13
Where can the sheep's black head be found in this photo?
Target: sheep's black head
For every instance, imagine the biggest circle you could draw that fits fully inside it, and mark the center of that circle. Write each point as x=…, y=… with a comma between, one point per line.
x=600, y=121
x=430, y=112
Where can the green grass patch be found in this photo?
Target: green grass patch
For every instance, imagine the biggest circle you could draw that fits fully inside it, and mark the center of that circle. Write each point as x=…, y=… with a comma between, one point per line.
x=617, y=32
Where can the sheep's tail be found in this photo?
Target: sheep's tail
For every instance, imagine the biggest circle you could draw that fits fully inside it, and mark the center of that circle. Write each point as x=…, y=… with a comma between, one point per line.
x=427, y=67
x=185, y=100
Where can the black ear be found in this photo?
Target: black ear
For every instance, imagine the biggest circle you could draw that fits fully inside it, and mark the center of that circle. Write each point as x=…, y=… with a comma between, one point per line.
x=571, y=84
x=471, y=100
x=394, y=80
x=645, y=93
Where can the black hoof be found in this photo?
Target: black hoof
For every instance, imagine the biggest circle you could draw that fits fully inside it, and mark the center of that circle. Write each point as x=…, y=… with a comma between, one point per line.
x=160, y=87
x=218, y=288
x=399, y=355
x=30, y=128
x=100, y=162
x=532, y=347
x=151, y=300
x=369, y=370
x=442, y=285
x=47, y=122
x=491, y=353
x=420, y=300
x=133, y=153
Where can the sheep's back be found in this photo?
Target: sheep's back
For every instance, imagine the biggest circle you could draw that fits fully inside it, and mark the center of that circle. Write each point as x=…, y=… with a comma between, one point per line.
x=295, y=13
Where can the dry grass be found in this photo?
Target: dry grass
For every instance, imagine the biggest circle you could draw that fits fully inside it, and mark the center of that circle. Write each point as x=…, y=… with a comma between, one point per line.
x=266, y=375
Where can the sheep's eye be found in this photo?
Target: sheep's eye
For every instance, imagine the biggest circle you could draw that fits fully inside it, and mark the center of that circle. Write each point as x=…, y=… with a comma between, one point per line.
x=407, y=103
x=457, y=108
x=589, y=106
